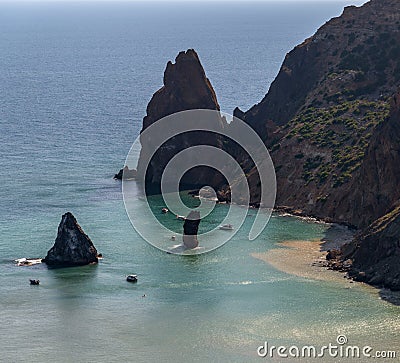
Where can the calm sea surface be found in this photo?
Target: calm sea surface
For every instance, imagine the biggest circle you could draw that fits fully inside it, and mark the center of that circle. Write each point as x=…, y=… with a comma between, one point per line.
x=75, y=80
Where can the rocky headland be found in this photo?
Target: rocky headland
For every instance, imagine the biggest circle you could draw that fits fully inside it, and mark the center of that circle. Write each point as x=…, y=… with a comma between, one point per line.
x=331, y=123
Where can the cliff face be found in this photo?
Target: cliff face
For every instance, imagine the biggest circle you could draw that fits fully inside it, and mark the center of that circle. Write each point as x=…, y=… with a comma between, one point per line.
x=327, y=104
x=72, y=246
x=186, y=87
x=374, y=190
x=350, y=56
x=332, y=125
x=375, y=254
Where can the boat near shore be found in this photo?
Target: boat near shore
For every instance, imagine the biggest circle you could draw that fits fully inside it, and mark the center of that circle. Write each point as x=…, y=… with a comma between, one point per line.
x=226, y=227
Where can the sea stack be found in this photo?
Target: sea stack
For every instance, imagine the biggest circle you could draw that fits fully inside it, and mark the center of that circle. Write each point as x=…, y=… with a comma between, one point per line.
x=72, y=246
x=186, y=87
x=190, y=229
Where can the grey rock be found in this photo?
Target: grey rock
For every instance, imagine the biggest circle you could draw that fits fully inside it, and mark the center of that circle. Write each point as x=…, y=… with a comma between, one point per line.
x=72, y=246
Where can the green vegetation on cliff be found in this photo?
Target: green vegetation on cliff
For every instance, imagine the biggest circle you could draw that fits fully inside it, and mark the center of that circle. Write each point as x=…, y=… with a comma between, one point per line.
x=341, y=132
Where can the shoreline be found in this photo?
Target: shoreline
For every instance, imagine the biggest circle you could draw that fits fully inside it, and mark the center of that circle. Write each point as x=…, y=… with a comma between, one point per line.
x=305, y=259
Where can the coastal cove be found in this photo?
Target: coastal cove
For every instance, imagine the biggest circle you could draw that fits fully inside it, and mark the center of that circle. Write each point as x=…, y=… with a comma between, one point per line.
x=76, y=84
x=227, y=300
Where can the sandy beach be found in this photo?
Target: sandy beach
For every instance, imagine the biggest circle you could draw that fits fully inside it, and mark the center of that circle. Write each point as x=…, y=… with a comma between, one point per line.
x=302, y=258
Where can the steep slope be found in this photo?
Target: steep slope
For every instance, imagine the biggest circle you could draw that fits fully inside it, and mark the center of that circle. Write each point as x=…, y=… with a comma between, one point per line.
x=330, y=97
x=350, y=56
x=375, y=254
x=374, y=190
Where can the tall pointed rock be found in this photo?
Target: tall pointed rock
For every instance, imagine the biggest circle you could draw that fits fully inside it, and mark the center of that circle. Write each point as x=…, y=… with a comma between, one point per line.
x=72, y=246
x=186, y=87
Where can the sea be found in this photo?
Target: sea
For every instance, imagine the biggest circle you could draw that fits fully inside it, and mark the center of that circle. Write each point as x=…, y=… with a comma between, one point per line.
x=75, y=79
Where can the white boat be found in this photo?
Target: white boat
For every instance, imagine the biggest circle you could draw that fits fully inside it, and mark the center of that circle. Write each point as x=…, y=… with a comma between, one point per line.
x=164, y=210
x=226, y=227
x=182, y=218
x=131, y=278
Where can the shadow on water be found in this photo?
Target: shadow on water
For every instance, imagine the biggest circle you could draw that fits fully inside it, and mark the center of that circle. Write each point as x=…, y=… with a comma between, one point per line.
x=78, y=273
x=73, y=280
x=390, y=296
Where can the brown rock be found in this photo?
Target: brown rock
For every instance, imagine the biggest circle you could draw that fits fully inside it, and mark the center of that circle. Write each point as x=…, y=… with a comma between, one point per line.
x=186, y=87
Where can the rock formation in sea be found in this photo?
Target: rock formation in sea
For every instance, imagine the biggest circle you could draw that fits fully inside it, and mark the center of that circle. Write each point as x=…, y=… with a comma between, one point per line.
x=72, y=246
x=186, y=87
x=331, y=124
x=190, y=229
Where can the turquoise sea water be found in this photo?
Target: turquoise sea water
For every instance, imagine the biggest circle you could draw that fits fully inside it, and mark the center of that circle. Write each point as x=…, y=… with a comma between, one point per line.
x=75, y=81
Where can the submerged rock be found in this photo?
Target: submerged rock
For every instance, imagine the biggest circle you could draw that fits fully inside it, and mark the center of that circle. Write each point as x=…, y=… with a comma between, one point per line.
x=72, y=246
x=190, y=229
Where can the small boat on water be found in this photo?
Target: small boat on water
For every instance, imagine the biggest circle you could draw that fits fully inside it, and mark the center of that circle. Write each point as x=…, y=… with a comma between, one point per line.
x=164, y=210
x=34, y=282
x=226, y=227
x=131, y=278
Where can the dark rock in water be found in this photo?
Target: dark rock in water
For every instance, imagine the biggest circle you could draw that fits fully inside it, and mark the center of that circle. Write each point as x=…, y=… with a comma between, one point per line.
x=190, y=229
x=126, y=173
x=34, y=282
x=72, y=246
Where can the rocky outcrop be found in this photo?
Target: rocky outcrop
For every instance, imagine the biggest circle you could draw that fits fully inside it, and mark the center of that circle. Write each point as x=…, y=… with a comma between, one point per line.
x=326, y=113
x=333, y=129
x=186, y=87
x=190, y=229
x=350, y=56
x=72, y=246
x=126, y=173
x=375, y=253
